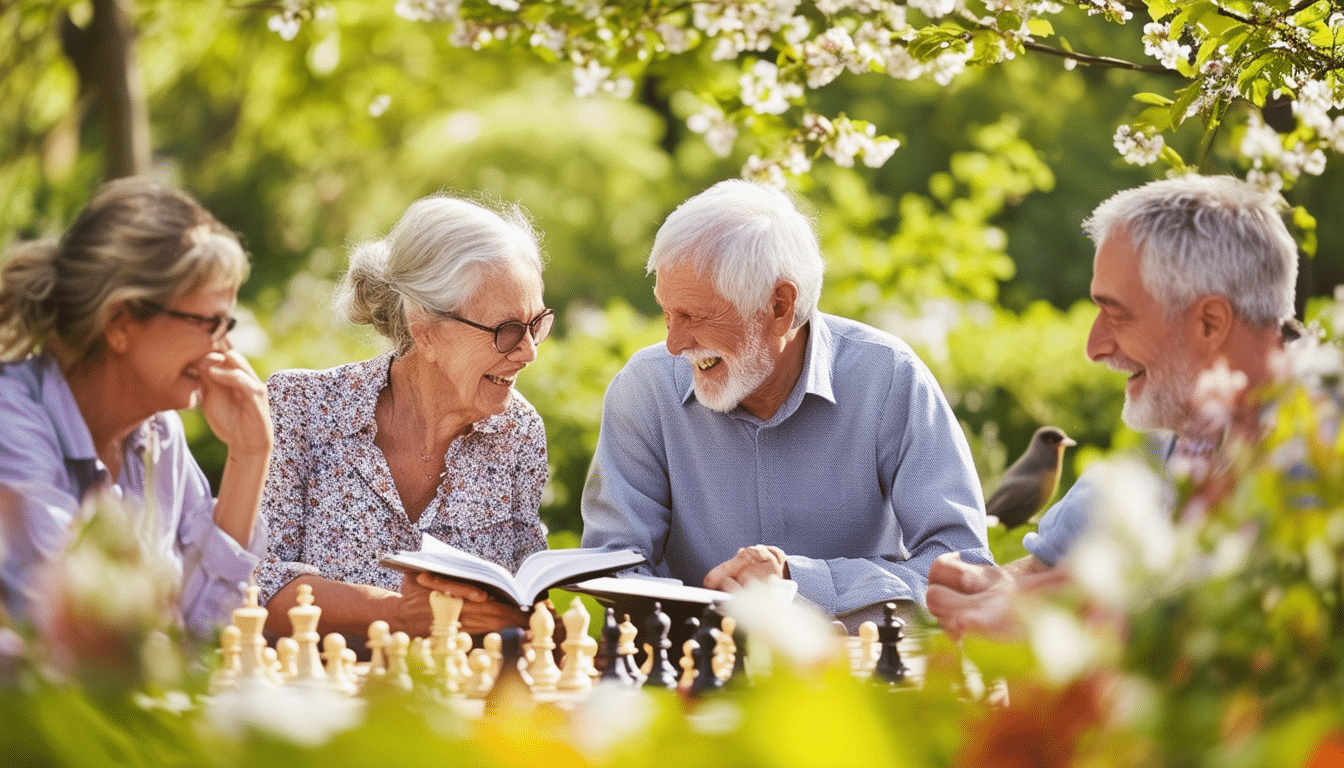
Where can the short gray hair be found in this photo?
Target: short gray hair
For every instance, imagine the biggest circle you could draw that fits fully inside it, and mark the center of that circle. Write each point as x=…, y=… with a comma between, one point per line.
x=1200, y=235
x=746, y=237
x=435, y=259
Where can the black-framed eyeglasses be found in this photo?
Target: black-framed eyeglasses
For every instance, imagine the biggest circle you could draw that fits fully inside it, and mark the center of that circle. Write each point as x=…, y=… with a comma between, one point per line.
x=218, y=326
x=509, y=334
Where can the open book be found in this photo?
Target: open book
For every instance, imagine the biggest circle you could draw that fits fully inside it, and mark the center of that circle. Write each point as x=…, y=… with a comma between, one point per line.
x=539, y=572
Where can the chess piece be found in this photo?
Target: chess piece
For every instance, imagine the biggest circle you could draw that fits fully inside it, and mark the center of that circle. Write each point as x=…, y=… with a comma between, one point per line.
x=443, y=633
x=377, y=640
x=303, y=617
x=396, y=649
x=627, y=650
x=661, y=672
x=725, y=650
x=286, y=656
x=705, y=680
x=575, y=675
x=687, y=663
x=889, y=670
x=494, y=646
x=545, y=674
x=226, y=677
x=513, y=686
x=340, y=676
x=482, y=676
x=869, y=648
x=249, y=619
x=613, y=667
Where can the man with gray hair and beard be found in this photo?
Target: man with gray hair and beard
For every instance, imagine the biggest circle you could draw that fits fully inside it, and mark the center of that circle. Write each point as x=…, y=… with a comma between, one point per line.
x=1190, y=274
x=769, y=439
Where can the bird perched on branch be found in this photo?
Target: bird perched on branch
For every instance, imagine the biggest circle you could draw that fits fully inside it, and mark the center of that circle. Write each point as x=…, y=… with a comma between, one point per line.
x=1032, y=480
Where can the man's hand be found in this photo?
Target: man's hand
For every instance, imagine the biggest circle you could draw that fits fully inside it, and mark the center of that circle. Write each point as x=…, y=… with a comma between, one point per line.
x=759, y=561
x=950, y=571
x=480, y=613
x=965, y=597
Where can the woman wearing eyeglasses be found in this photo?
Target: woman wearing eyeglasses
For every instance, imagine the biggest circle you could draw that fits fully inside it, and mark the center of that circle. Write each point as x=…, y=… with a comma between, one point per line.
x=429, y=437
x=105, y=334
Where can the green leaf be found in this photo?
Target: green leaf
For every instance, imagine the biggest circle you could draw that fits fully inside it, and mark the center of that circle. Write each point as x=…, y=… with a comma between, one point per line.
x=1182, y=104
x=1316, y=13
x=1040, y=28
x=1158, y=117
x=1173, y=158
x=1305, y=225
x=1156, y=99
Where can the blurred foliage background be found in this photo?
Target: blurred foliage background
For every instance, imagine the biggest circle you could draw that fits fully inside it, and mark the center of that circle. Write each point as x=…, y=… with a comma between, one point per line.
x=966, y=243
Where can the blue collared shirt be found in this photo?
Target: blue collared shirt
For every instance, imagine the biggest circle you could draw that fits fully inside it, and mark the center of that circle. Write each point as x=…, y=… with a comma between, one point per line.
x=862, y=476
x=47, y=458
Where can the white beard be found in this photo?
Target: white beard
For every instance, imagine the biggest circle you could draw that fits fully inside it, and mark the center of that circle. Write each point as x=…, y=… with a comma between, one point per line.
x=747, y=370
x=1165, y=402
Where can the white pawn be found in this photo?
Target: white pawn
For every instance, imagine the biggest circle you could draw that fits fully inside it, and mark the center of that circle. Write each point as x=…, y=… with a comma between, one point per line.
x=286, y=653
x=482, y=677
x=226, y=677
x=576, y=674
x=687, y=663
x=458, y=658
x=397, y=648
x=494, y=646
x=377, y=642
x=339, y=675
x=545, y=674
x=303, y=618
x=869, y=647
x=725, y=649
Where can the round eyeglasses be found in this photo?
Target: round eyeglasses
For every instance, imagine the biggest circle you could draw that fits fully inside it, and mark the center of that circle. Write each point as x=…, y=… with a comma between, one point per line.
x=509, y=334
x=218, y=326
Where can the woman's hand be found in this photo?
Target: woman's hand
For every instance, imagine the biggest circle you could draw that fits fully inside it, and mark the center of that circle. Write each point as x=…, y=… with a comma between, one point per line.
x=480, y=613
x=234, y=401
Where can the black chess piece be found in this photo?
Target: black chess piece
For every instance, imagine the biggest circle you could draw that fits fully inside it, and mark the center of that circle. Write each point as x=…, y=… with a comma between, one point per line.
x=614, y=668
x=706, y=681
x=662, y=674
x=890, y=671
x=513, y=687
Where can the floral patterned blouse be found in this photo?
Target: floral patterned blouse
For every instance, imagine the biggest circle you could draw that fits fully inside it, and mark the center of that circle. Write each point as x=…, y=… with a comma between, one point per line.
x=330, y=502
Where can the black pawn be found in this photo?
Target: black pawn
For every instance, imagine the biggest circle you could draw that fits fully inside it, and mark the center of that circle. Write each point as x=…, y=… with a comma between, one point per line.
x=705, y=680
x=614, y=669
x=662, y=674
x=890, y=670
x=513, y=687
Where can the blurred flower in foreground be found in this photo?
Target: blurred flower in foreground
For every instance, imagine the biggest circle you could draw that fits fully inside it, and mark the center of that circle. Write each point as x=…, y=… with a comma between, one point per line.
x=768, y=614
x=305, y=715
x=612, y=715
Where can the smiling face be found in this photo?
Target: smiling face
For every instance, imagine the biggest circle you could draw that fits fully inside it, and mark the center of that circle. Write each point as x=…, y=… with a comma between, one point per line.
x=477, y=379
x=161, y=354
x=1133, y=335
x=728, y=354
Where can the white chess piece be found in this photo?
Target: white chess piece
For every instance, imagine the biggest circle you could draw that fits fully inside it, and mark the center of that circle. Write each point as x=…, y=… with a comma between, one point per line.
x=396, y=649
x=339, y=675
x=545, y=674
x=575, y=675
x=303, y=618
x=249, y=619
x=482, y=677
x=286, y=653
x=687, y=663
x=869, y=648
x=443, y=634
x=494, y=646
x=226, y=677
x=377, y=642
x=725, y=649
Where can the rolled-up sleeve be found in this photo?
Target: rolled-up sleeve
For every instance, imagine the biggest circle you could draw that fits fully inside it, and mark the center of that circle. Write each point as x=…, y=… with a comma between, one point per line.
x=1063, y=523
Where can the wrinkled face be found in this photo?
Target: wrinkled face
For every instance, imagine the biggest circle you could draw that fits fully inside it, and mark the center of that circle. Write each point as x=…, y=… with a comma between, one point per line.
x=477, y=378
x=728, y=355
x=164, y=353
x=1132, y=335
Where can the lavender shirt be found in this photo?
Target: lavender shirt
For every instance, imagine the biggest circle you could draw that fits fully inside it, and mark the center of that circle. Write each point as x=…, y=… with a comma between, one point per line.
x=47, y=457
x=862, y=476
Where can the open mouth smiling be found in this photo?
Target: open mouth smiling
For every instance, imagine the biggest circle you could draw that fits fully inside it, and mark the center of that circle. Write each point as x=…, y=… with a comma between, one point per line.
x=707, y=363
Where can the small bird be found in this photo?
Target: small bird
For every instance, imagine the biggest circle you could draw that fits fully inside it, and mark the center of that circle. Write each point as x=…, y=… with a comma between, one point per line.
x=1032, y=480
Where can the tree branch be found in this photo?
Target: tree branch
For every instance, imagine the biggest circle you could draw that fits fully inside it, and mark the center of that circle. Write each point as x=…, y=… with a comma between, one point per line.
x=1096, y=61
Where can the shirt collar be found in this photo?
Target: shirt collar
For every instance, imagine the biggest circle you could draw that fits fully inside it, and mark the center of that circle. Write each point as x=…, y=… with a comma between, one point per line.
x=815, y=378
x=367, y=378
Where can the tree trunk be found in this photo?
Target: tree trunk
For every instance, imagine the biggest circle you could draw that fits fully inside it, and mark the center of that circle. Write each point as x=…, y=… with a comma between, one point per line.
x=104, y=58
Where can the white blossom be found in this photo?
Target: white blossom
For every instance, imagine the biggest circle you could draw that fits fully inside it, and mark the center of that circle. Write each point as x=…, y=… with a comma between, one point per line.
x=763, y=92
x=1062, y=645
x=719, y=132
x=1269, y=181
x=947, y=66
x=1138, y=147
x=548, y=37
x=506, y=5
x=1312, y=105
x=826, y=56
x=428, y=10
x=1158, y=44
x=379, y=105
x=286, y=23
x=305, y=715
x=934, y=9
x=1260, y=141
x=767, y=172
x=675, y=39
x=796, y=160
x=901, y=65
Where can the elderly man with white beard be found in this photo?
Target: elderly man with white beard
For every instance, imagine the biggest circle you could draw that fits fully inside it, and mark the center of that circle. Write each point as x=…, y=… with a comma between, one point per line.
x=1191, y=275
x=770, y=440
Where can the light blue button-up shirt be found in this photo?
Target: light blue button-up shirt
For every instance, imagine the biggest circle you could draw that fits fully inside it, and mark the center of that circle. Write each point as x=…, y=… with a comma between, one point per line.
x=862, y=476
x=47, y=459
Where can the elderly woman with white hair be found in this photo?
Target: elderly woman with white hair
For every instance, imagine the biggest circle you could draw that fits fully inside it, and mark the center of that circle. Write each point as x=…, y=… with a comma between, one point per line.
x=106, y=332
x=430, y=437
